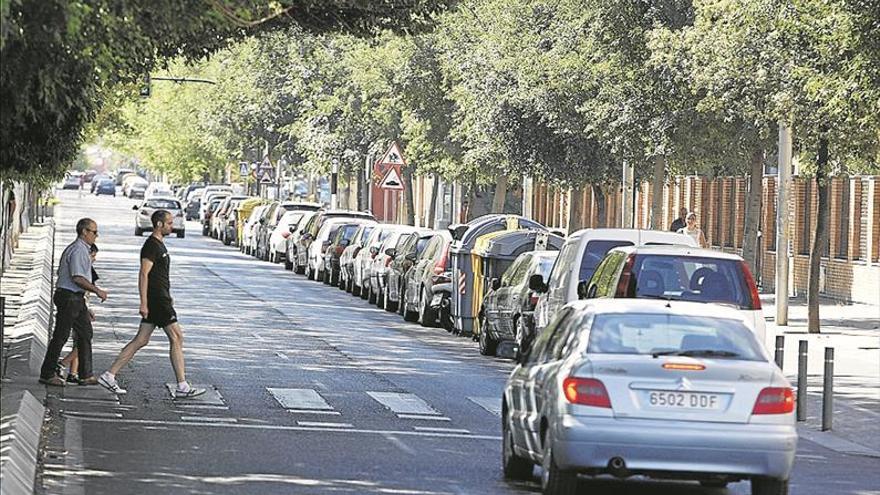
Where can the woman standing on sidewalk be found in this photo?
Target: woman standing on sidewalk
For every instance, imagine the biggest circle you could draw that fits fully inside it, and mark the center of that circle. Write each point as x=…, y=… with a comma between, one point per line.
x=693, y=230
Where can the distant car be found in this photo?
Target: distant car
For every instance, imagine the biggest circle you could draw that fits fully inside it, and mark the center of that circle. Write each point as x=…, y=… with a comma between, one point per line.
x=210, y=209
x=73, y=180
x=308, y=232
x=382, y=261
x=680, y=273
x=507, y=311
x=89, y=175
x=364, y=260
x=143, y=217
x=121, y=174
x=340, y=238
x=346, y=259
x=431, y=268
x=249, y=229
x=137, y=190
x=105, y=186
x=405, y=255
x=650, y=388
x=279, y=235
x=97, y=180
x=316, y=249
x=158, y=189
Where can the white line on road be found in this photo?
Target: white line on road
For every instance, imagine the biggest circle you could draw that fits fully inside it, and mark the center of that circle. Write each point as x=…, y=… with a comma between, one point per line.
x=203, y=406
x=281, y=355
x=320, y=424
x=403, y=403
x=313, y=411
x=73, y=481
x=209, y=419
x=421, y=416
x=299, y=398
x=426, y=434
x=91, y=414
x=441, y=430
x=491, y=404
x=402, y=446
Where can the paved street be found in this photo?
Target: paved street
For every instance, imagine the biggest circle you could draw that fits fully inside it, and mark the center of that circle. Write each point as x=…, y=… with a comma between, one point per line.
x=310, y=391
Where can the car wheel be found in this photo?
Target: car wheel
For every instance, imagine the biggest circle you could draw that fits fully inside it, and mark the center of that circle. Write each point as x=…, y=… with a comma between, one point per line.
x=407, y=314
x=487, y=343
x=390, y=305
x=769, y=486
x=138, y=231
x=181, y=234
x=427, y=315
x=514, y=466
x=299, y=270
x=372, y=295
x=226, y=240
x=355, y=289
x=326, y=276
x=288, y=265
x=555, y=481
x=401, y=300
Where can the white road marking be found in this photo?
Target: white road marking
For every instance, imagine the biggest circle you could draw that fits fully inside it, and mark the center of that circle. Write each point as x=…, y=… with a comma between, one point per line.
x=92, y=414
x=208, y=419
x=281, y=355
x=203, y=406
x=402, y=403
x=319, y=424
x=441, y=430
x=421, y=416
x=299, y=398
x=402, y=446
x=313, y=411
x=427, y=434
x=73, y=481
x=491, y=404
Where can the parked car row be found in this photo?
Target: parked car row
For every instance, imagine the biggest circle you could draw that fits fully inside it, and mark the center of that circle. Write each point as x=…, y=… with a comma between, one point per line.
x=637, y=352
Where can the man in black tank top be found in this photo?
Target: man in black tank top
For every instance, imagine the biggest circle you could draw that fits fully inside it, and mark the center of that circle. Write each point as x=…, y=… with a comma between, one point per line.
x=156, y=309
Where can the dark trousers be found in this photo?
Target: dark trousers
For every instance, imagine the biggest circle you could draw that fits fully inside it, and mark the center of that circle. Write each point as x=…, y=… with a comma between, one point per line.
x=70, y=314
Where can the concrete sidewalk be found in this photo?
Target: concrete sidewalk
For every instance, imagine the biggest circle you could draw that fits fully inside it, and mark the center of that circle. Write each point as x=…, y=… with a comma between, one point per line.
x=853, y=330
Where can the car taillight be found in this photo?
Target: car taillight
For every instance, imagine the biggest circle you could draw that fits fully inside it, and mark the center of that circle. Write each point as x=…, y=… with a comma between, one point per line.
x=625, y=277
x=753, y=287
x=586, y=392
x=774, y=400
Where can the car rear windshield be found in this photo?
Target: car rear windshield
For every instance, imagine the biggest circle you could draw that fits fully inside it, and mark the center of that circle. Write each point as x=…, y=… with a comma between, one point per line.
x=691, y=278
x=663, y=334
x=593, y=254
x=165, y=204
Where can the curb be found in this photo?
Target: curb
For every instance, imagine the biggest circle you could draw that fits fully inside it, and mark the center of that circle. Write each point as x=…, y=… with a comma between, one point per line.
x=27, y=285
x=21, y=435
x=838, y=444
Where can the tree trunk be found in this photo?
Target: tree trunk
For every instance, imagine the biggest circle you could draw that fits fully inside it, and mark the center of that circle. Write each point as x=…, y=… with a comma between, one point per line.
x=361, y=191
x=820, y=237
x=753, y=212
x=657, y=190
x=599, y=197
x=575, y=207
x=500, y=196
x=432, y=212
x=408, y=196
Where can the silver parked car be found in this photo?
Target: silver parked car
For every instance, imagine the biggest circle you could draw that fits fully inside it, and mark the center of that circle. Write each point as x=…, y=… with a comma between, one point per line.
x=666, y=389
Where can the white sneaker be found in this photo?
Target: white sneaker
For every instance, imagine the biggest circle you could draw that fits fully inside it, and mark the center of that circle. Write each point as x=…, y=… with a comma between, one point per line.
x=109, y=382
x=189, y=393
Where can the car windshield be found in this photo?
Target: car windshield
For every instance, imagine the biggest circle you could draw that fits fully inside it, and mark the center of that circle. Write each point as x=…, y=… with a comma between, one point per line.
x=545, y=265
x=165, y=204
x=593, y=254
x=691, y=278
x=660, y=334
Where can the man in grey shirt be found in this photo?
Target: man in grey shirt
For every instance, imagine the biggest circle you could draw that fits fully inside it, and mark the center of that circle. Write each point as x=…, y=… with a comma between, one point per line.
x=74, y=279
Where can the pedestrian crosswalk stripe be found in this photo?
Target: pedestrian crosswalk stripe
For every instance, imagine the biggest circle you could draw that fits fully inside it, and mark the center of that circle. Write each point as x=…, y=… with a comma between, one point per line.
x=491, y=404
x=208, y=419
x=320, y=424
x=403, y=403
x=313, y=411
x=440, y=430
x=299, y=398
x=423, y=416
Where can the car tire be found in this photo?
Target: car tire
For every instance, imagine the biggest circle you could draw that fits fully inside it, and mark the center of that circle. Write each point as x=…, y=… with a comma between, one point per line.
x=226, y=240
x=181, y=234
x=299, y=270
x=769, y=486
x=389, y=305
x=427, y=315
x=407, y=314
x=401, y=301
x=513, y=466
x=372, y=295
x=488, y=345
x=288, y=265
x=138, y=231
x=555, y=481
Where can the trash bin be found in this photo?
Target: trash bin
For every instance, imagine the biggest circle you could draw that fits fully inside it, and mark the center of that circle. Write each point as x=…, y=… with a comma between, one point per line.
x=465, y=237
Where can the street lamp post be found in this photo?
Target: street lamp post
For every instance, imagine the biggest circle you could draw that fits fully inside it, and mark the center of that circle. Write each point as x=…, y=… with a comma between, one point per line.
x=334, y=181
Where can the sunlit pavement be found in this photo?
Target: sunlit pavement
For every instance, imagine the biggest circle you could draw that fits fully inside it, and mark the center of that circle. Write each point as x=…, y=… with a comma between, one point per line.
x=310, y=391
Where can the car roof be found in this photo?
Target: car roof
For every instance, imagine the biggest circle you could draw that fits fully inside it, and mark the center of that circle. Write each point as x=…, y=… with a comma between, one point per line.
x=638, y=235
x=668, y=250
x=676, y=308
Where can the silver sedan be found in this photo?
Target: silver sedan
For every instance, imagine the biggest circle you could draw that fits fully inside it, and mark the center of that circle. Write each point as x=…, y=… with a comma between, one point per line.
x=144, y=212
x=655, y=388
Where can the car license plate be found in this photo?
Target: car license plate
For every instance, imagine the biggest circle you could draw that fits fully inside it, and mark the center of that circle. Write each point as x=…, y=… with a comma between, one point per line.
x=663, y=399
x=435, y=301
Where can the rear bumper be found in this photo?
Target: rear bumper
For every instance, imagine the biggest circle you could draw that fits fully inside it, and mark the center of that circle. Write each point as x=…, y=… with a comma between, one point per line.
x=650, y=446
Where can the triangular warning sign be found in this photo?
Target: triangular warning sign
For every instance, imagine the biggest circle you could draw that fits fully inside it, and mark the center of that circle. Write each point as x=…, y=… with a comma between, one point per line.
x=267, y=178
x=392, y=180
x=393, y=156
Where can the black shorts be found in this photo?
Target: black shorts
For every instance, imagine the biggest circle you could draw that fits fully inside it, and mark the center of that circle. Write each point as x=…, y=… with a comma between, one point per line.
x=160, y=313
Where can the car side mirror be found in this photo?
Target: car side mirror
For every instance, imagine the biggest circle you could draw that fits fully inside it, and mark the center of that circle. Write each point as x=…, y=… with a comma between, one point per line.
x=374, y=250
x=536, y=283
x=135, y=207
x=496, y=284
x=411, y=257
x=262, y=221
x=392, y=252
x=582, y=289
x=291, y=229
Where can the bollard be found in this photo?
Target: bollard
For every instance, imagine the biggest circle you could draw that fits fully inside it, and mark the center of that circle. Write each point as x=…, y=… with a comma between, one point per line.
x=802, y=381
x=780, y=350
x=828, y=390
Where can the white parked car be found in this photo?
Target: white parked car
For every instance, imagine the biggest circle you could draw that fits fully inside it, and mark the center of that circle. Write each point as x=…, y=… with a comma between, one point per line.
x=144, y=212
x=278, y=236
x=247, y=243
x=638, y=387
x=580, y=255
x=158, y=189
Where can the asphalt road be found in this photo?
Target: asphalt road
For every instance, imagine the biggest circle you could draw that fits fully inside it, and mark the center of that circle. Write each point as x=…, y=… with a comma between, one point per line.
x=311, y=391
